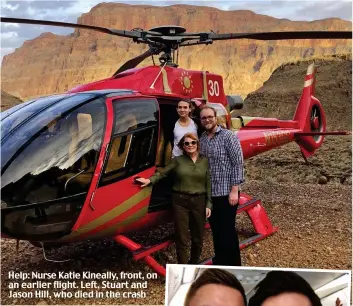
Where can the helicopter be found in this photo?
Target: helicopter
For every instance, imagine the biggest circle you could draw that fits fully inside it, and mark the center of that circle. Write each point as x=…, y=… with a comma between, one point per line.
x=69, y=162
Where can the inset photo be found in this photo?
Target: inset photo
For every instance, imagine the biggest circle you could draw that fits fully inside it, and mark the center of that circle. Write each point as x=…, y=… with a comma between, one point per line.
x=188, y=285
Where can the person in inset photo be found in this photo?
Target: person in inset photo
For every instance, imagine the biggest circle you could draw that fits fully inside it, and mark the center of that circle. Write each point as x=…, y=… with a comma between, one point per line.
x=216, y=287
x=191, y=198
x=281, y=288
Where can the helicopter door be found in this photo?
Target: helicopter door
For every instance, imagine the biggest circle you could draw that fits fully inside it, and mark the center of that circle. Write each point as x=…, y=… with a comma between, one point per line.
x=131, y=148
x=162, y=192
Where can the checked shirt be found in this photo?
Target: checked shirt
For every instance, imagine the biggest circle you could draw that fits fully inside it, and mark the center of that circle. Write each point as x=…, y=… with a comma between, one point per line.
x=225, y=158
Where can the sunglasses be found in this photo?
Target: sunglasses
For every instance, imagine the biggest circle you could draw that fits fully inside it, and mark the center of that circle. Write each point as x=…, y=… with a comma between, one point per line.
x=192, y=143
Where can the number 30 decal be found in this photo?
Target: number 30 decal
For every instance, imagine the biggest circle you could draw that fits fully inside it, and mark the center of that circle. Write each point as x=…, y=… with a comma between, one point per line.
x=213, y=88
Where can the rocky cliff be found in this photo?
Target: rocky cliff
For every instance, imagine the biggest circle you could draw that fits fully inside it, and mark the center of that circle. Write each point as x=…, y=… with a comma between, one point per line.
x=53, y=63
x=8, y=101
x=280, y=94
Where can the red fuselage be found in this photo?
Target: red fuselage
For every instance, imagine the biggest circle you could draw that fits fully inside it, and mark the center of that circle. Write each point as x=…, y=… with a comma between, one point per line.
x=118, y=205
x=257, y=135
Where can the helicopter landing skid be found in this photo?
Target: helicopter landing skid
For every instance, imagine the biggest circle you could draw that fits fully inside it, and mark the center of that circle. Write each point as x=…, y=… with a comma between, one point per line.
x=252, y=206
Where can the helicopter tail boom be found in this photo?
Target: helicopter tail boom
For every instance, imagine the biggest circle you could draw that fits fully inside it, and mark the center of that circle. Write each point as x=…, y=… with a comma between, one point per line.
x=310, y=117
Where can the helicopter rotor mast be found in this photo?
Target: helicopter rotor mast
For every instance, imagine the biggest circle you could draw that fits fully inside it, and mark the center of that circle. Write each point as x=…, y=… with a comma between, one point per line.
x=169, y=38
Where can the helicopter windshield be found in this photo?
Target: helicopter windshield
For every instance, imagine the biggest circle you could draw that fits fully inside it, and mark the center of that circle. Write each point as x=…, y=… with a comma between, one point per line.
x=53, y=154
x=12, y=117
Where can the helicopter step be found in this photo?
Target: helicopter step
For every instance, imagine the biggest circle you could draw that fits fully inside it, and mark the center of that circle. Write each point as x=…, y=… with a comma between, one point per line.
x=252, y=206
x=148, y=259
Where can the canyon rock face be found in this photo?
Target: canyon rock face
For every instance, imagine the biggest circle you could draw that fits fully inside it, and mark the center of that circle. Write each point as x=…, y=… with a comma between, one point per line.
x=52, y=63
x=8, y=101
x=279, y=96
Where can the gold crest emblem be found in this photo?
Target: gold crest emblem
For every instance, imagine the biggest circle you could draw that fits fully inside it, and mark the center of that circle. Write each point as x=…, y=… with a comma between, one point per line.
x=186, y=82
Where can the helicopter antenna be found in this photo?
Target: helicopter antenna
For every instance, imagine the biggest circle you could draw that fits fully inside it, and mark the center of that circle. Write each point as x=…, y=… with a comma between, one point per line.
x=152, y=86
x=52, y=260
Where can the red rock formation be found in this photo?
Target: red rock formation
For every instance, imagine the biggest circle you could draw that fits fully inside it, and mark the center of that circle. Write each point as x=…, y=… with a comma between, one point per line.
x=52, y=63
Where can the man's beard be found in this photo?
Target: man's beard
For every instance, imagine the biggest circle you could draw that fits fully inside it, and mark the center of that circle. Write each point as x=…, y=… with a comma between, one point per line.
x=209, y=127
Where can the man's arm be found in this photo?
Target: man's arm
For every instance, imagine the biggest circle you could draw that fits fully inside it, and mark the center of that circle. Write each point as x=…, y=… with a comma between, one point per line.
x=208, y=188
x=202, y=144
x=235, y=154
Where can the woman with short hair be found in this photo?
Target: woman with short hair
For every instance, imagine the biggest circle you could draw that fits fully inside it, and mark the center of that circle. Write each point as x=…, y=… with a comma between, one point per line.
x=191, y=199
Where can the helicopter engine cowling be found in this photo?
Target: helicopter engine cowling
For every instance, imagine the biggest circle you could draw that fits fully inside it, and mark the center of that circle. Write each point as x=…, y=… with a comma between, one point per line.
x=235, y=102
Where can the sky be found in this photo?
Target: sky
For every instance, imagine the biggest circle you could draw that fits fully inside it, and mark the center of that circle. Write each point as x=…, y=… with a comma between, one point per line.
x=13, y=35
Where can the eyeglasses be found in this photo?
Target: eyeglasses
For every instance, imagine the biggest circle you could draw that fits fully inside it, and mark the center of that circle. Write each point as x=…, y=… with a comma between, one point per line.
x=191, y=143
x=207, y=118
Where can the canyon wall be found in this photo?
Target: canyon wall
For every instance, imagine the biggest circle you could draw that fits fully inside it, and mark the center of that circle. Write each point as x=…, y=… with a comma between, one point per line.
x=52, y=63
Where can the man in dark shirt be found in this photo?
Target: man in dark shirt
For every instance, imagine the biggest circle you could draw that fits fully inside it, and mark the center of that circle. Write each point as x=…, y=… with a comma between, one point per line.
x=223, y=150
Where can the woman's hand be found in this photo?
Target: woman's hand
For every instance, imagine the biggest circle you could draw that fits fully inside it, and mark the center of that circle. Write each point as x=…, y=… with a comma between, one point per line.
x=208, y=213
x=144, y=181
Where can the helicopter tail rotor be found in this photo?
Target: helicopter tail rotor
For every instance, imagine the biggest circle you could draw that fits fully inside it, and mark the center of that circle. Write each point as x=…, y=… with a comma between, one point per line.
x=311, y=117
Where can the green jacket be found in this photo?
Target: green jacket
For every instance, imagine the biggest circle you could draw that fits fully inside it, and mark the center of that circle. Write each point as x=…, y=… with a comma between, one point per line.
x=189, y=177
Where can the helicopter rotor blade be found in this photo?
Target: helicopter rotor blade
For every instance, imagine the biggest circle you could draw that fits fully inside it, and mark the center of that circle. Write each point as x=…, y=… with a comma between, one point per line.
x=132, y=63
x=122, y=33
x=179, y=38
x=194, y=43
x=208, y=38
x=282, y=35
x=176, y=39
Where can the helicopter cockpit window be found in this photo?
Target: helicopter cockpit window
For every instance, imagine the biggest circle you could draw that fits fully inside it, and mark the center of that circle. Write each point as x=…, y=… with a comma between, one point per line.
x=15, y=108
x=134, y=143
x=54, y=154
x=12, y=118
x=132, y=115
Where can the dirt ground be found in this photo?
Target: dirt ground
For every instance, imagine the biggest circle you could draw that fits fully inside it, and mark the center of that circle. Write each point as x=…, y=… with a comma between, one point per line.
x=314, y=232
x=315, y=221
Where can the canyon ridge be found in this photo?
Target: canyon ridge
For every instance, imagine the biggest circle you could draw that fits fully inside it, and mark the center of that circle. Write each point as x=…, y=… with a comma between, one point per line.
x=52, y=63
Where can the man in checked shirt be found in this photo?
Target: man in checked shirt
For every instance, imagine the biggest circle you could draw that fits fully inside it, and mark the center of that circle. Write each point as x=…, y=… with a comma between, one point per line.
x=225, y=158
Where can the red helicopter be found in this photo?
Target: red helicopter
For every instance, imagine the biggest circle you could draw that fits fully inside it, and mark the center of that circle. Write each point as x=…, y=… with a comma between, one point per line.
x=69, y=161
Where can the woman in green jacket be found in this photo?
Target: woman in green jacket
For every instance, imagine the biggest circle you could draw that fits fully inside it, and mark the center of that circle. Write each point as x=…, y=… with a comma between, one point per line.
x=191, y=199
